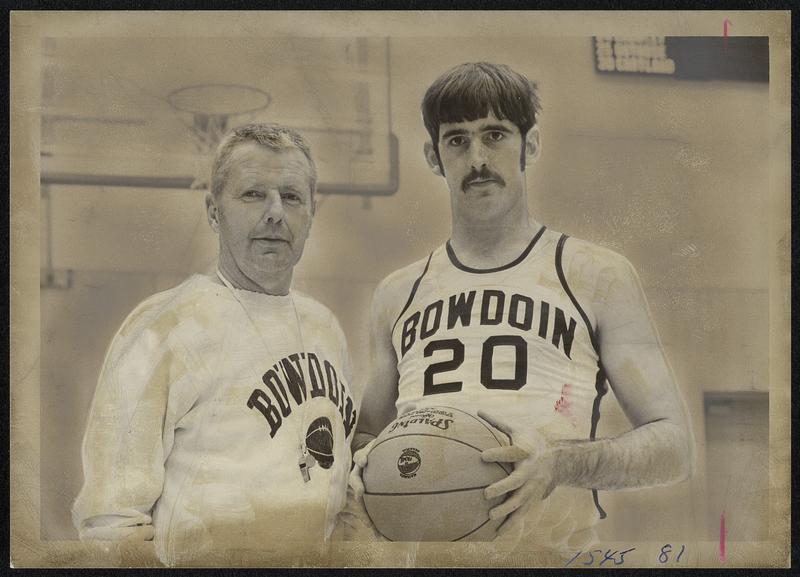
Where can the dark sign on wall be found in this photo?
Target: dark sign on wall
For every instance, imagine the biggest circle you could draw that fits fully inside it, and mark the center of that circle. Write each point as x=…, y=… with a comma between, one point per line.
x=687, y=57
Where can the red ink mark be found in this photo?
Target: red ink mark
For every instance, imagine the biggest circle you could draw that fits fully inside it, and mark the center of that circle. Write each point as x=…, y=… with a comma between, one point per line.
x=562, y=404
x=725, y=24
x=722, y=538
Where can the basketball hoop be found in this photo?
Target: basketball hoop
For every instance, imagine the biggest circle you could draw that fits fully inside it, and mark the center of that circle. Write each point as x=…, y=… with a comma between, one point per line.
x=206, y=110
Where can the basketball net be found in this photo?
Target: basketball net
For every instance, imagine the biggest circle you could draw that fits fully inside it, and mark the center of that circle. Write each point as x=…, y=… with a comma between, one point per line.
x=206, y=131
x=206, y=110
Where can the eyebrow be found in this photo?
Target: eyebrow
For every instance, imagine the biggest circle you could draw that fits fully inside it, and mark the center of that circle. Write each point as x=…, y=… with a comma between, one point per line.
x=488, y=128
x=454, y=132
x=254, y=184
x=495, y=127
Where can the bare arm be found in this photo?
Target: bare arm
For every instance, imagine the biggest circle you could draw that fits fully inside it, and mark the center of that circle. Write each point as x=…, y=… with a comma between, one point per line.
x=380, y=391
x=659, y=449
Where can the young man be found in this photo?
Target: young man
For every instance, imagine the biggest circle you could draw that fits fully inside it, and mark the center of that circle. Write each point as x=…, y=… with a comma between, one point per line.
x=524, y=326
x=223, y=415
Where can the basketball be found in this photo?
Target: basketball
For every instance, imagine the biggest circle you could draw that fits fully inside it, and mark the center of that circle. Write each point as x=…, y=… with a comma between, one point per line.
x=319, y=442
x=424, y=477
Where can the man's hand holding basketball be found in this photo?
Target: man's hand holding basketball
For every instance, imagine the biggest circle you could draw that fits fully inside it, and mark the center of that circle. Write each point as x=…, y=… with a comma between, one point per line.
x=361, y=455
x=359, y=462
x=534, y=476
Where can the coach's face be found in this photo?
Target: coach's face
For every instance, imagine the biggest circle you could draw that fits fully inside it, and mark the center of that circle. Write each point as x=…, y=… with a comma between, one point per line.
x=263, y=215
x=483, y=163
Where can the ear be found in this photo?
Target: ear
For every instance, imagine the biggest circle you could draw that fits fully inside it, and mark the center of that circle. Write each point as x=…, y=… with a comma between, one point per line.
x=212, y=212
x=432, y=160
x=533, y=145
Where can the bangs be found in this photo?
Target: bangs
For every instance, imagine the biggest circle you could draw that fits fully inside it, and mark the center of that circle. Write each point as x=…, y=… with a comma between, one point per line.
x=471, y=91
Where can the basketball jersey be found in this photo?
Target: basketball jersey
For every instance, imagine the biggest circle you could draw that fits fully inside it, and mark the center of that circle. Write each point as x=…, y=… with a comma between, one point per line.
x=512, y=340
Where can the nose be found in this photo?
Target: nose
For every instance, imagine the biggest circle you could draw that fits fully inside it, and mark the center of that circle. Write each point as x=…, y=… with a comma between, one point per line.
x=477, y=153
x=273, y=211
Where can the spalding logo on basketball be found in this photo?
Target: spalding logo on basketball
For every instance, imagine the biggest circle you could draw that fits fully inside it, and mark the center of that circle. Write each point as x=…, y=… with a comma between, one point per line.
x=438, y=493
x=319, y=442
x=408, y=463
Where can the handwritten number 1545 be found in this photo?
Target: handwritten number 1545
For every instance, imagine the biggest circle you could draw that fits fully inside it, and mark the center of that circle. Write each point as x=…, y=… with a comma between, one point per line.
x=607, y=555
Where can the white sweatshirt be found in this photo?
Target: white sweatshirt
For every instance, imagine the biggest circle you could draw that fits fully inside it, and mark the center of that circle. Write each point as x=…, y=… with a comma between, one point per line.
x=204, y=409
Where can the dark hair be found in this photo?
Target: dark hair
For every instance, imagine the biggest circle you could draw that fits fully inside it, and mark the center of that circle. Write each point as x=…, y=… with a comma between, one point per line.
x=469, y=91
x=273, y=136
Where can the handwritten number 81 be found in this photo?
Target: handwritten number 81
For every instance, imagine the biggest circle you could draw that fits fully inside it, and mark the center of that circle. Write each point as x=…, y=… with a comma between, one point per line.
x=665, y=551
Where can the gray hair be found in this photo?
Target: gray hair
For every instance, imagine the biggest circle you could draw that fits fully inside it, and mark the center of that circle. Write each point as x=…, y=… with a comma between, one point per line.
x=273, y=136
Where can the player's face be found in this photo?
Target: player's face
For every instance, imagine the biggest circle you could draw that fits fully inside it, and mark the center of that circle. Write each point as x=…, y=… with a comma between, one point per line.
x=481, y=161
x=264, y=212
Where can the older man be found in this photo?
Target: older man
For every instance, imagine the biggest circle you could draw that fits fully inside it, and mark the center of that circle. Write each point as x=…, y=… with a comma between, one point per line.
x=223, y=413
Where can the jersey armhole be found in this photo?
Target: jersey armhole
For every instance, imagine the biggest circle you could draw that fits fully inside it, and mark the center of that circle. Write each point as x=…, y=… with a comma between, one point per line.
x=563, y=279
x=600, y=384
x=413, y=292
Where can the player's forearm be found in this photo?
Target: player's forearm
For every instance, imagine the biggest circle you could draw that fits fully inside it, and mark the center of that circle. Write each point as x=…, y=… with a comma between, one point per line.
x=656, y=453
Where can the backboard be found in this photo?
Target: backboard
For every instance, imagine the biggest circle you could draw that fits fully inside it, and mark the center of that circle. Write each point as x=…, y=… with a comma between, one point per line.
x=109, y=116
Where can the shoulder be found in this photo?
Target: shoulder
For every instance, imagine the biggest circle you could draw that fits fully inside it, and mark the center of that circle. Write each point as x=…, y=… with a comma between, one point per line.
x=588, y=266
x=309, y=304
x=580, y=251
x=315, y=310
x=605, y=283
x=156, y=316
x=401, y=281
x=392, y=292
x=142, y=360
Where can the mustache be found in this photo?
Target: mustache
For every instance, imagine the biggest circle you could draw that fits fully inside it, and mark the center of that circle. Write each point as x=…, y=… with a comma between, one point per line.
x=482, y=174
